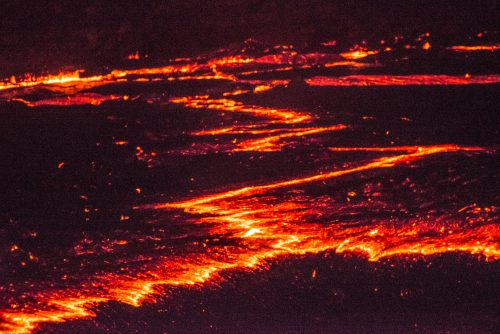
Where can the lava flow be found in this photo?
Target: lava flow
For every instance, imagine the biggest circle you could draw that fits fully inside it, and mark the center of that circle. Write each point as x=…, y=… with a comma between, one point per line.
x=279, y=115
x=403, y=80
x=73, y=100
x=261, y=221
x=471, y=48
x=266, y=228
x=281, y=228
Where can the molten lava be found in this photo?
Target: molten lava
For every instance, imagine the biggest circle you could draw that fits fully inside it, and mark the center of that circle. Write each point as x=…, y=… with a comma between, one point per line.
x=403, y=80
x=472, y=48
x=267, y=228
x=264, y=221
x=357, y=54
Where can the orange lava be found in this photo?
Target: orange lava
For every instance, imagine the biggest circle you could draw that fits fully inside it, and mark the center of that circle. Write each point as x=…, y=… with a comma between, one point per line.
x=383, y=149
x=263, y=225
x=207, y=70
x=234, y=60
x=188, y=69
x=134, y=56
x=357, y=54
x=472, y=48
x=272, y=143
x=266, y=228
x=416, y=152
x=231, y=130
x=73, y=100
x=403, y=80
x=347, y=63
x=280, y=115
x=59, y=79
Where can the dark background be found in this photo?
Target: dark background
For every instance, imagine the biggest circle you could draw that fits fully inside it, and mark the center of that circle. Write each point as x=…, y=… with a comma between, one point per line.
x=47, y=35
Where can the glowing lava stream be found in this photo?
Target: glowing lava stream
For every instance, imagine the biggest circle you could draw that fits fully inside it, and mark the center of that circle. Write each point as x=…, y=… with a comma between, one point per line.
x=280, y=115
x=414, y=153
x=73, y=100
x=267, y=229
x=357, y=54
x=271, y=143
x=403, y=80
x=471, y=48
x=75, y=77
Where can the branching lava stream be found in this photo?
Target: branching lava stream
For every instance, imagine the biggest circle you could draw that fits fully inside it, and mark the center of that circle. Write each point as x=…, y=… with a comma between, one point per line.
x=270, y=229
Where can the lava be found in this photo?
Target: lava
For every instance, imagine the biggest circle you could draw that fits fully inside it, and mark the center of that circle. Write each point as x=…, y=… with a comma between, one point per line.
x=264, y=221
x=472, y=48
x=280, y=115
x=415, y=153
x=357, y=54
x=58, y=79
x=267, y=228
x=73, y=100
x=272, y=143
x=215, y=69
x=403, y=80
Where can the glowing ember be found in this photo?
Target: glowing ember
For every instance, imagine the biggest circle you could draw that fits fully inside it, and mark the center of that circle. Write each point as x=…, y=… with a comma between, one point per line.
x=134, y=56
